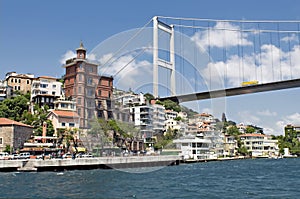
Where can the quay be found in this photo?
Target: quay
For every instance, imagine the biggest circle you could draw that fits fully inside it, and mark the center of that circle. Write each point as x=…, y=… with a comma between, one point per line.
x=88, y=163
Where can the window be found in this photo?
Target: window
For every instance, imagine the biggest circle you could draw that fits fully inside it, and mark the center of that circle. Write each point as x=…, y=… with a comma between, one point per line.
x=12, y=80
x=90, y=81
x=28, y=82
x=53, y=86
x=1, y=141
x=16, y=80
x=63, y=124
x=90, y=92
x=19, y=81
x=79, y=90
x=43, y=85
x=53, y=92
x=71, y=124
x=78, y=100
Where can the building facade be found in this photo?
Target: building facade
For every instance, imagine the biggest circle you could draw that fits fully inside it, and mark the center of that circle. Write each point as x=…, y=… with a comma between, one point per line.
x=260, y=145
x=86, y=87
x=5, y=91
x=13, y=134
x=19, y=82
x=193, y=147
x=45, y=90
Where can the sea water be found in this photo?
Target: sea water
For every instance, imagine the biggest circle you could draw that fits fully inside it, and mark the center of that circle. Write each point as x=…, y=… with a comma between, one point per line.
x=252, y=178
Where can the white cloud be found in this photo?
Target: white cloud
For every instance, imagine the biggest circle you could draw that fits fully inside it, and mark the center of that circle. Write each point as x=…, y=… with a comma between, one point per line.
x=293, y=119
x=128, y=72
x=247, y=117
x=207, y=110
x=292, y=37
x=271, y=65
x=267, y=113
x=68, y=55
x=223, y=34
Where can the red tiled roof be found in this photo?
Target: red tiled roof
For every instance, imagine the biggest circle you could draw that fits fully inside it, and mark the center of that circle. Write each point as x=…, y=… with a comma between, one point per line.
x=252, y=135
x=6, y=121
x=65, y=113
x=47, y=77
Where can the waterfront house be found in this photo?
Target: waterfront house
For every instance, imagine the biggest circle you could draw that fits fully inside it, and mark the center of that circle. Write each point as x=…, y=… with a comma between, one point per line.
x=193, y=147
x=13, y=134
x=230, y=146
x=260, y=145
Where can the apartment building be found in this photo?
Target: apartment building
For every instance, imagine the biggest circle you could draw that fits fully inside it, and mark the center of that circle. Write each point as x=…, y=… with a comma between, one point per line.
x=260, y=145
x=19, y=82
x=45, y=90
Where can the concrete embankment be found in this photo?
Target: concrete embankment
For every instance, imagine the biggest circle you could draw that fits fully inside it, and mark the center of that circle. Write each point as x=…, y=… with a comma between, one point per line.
x=88, y=163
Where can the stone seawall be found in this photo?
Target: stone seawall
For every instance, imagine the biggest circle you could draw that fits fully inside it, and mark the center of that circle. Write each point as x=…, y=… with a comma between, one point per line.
x=88, y=163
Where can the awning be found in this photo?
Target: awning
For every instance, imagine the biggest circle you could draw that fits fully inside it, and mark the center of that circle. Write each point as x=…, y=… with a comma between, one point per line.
x=79, y=149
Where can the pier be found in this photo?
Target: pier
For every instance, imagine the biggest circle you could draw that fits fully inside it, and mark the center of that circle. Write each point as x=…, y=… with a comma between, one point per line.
x=88, y=163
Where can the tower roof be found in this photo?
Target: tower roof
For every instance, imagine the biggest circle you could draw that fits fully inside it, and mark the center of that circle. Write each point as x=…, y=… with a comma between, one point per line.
x=81, y=47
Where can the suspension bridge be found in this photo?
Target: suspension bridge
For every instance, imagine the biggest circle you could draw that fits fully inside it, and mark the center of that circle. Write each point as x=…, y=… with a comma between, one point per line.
x=196, y=59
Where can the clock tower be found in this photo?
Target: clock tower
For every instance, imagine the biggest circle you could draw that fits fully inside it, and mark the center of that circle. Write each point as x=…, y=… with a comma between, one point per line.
x=81, y=51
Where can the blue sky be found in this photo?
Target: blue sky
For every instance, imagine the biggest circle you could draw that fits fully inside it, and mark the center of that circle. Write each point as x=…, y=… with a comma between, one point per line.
x=35, y=35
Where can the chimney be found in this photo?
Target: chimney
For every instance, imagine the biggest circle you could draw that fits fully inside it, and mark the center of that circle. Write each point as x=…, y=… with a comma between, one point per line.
x=44, y=132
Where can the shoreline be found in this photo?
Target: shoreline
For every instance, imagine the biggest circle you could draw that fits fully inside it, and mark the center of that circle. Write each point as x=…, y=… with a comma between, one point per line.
x=37, y=165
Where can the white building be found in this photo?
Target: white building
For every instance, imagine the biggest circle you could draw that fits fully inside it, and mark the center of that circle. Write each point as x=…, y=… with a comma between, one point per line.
x=193, y=147
x=170, y=114
x=158, y=118
x=5, y=91
x=260, y=145
x=143, y=118
x=44, y=91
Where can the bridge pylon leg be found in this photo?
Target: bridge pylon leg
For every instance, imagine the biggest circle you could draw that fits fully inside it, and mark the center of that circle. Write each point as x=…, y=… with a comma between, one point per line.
x=157, y=25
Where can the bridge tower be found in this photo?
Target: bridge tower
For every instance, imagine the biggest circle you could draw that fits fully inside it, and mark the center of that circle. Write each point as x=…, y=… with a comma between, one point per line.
x=157, y=25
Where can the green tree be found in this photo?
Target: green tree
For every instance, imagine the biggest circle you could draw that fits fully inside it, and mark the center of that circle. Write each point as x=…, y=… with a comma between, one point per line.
x=233, y=130
x=39, y=117
x=170, y=105
x=149, y=96
x=250, y=130
x=15, y=107
x=99, y=130
x=7, y=148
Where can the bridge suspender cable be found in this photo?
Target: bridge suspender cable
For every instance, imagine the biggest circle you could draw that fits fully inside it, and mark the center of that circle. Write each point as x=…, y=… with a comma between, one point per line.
x=290, y=56
x=195, y=60
x=224, y=55
x=279, y=51
x=126, y=43
x=242, y=51
x=209, y=57
x=254, y=56
x=271, y=41
x=260, y=58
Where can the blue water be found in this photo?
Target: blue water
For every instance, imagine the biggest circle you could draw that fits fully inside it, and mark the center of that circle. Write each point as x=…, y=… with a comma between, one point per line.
x=260, y=178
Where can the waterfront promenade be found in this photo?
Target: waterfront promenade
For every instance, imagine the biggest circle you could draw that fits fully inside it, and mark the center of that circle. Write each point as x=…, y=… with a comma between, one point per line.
x=88, y=163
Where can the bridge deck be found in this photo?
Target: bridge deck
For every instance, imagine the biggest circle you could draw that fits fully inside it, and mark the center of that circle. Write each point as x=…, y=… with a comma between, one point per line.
x=235, y=91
